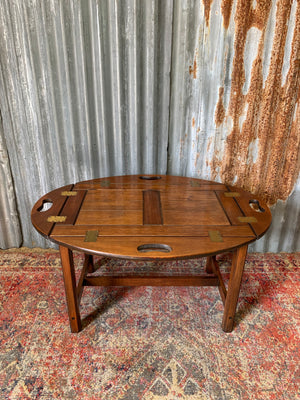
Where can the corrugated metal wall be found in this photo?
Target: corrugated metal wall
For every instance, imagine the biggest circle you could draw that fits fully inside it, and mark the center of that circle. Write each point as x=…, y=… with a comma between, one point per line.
x=95, y=88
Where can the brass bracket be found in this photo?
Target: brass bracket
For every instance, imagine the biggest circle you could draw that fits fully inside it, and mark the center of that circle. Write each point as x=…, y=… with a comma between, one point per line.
x=68, y=193
x=247, y=219
x=91, y=236
x=195, y=183
x=56, y=218
x=105, y=183
x=232, y=194
x=215, y=236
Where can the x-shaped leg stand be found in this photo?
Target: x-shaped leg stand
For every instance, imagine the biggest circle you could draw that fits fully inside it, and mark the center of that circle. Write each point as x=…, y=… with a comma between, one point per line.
x=212, y=278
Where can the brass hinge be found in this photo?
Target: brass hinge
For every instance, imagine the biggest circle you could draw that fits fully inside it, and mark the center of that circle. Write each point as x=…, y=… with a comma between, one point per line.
x=68, y=193
x=247, y=219
x=105, y=183
x=91, y=236
x=195, y=183
x=215, y=236
x=232, y=194
x=56, y=218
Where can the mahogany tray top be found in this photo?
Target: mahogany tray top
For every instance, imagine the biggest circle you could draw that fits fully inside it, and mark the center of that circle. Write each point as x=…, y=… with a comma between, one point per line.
x=151, y=217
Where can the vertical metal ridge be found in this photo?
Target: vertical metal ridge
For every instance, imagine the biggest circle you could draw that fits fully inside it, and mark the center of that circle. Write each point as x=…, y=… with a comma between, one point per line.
x=115, y=87
x=10, y=229
x=50, y=123
x=164, y=52
x=96, y=96
x=131, y=130
x=147, y=84
x=81, y=93
x=65, y=90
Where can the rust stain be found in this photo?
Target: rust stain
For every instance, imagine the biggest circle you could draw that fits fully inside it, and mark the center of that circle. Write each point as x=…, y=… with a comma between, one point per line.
x=233, y=152
x=193, y=122
x=279, y=105
x=209, y=144
x=193, y=69
x=207, y=5
x=270, y=109
x=216, y=165
x=259, y=16
x=291, y=167
x=226, y=8
x=220, y=110
x=196, y=160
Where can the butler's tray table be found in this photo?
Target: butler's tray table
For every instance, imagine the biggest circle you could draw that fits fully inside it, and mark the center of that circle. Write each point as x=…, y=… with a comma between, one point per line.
x=151, y=218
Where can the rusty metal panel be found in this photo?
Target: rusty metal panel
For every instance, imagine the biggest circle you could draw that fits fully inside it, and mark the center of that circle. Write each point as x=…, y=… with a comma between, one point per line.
x=234, y=112
x=233, y=108
x=207, y=88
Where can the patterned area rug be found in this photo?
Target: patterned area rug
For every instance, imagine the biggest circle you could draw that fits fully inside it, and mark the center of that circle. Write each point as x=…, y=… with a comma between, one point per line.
x=148, y=343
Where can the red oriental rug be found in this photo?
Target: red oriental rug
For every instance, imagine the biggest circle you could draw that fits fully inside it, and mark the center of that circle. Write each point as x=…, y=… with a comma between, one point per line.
x=148, y=343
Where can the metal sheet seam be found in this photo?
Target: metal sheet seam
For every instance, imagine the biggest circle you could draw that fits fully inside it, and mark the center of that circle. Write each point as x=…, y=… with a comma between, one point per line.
x=170, y=93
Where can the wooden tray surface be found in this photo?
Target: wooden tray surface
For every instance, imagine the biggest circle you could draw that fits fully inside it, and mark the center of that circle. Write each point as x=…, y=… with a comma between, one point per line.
x=151, y=217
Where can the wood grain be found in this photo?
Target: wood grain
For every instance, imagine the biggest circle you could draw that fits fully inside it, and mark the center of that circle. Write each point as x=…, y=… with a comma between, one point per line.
x=134, y=210
x=39, y=218
x=234, y=284
x=70, y=288
x=158, y=230
x=152, y=213
x=151, y=280
x=127, y=246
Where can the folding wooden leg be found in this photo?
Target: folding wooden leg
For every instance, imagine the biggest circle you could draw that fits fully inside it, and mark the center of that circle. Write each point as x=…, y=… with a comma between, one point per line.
x=234, y=284
x=70, y=288
x=90, y=261
x=209, y=265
